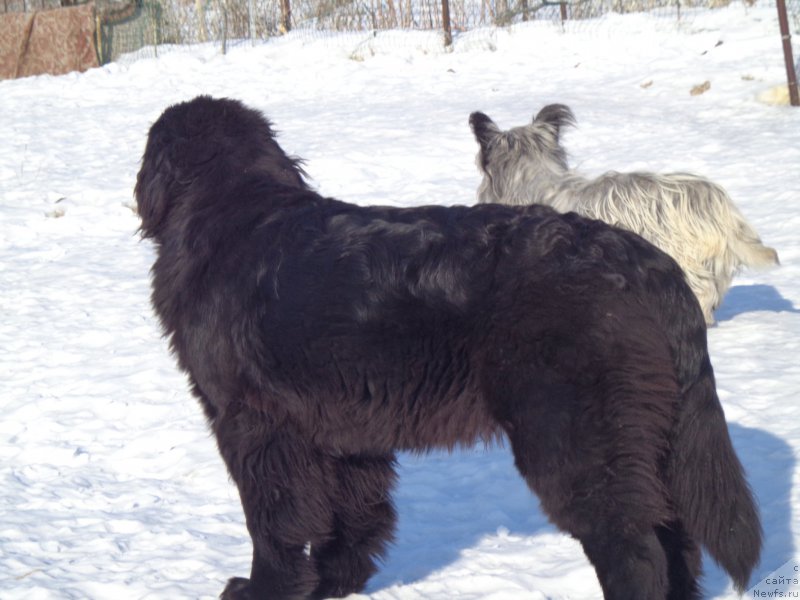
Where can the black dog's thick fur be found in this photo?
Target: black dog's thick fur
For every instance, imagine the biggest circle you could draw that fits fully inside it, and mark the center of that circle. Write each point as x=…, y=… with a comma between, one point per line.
x=321, y=337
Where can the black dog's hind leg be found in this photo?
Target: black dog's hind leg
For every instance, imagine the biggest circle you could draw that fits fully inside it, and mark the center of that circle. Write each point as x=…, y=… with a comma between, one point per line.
x=283, y=485
x=364, y=521
x=630, y=565
x=620, y=542
x=595, y=470
x=684, y=559
x=636, y=561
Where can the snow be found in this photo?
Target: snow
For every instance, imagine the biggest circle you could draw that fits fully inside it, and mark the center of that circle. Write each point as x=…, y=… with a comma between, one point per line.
x=110, y=485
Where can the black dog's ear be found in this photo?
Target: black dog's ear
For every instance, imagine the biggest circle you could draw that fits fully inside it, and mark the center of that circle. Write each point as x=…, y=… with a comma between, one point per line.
x=555, y=115
x=483, y=128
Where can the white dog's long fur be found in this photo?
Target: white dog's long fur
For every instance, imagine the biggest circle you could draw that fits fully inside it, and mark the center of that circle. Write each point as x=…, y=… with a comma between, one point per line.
x=689, y=217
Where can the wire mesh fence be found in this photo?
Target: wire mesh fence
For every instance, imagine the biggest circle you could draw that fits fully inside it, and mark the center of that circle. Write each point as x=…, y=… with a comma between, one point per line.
x=127, y=26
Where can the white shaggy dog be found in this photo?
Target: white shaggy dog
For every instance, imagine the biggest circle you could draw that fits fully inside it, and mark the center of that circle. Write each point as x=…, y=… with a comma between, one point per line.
x=689, y=217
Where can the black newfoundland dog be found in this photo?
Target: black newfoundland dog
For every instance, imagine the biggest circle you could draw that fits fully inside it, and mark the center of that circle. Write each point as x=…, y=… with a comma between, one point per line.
x=322, y=337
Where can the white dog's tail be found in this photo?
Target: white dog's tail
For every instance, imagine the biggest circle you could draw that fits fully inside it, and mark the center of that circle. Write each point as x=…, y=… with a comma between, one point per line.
x=746, y=247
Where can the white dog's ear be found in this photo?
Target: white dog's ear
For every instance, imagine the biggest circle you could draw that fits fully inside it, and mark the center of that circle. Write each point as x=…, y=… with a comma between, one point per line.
x=555, y=115
x=483, y=128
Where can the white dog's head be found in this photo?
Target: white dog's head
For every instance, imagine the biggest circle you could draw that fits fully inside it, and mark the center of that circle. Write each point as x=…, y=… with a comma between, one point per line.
x=510, y=160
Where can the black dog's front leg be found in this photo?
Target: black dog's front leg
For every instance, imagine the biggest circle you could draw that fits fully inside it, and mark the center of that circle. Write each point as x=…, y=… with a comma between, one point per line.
x=364, y=524
x=284, y=486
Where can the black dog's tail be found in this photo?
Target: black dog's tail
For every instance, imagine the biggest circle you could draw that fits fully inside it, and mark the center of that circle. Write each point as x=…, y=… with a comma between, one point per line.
x=708, y=485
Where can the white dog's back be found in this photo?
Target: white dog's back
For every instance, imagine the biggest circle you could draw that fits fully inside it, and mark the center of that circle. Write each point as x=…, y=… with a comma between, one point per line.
x=689, y=217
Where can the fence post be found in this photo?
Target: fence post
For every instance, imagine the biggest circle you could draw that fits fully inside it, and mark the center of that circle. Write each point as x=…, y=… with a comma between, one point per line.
x=200, y=11
x=286, y=16
x=156, y=22
x=251, y=20
x=448, y=34
x=224, y=6
x=786, y=36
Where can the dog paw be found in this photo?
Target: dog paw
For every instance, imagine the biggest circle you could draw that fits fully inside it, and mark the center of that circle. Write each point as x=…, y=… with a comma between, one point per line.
x=238, y=588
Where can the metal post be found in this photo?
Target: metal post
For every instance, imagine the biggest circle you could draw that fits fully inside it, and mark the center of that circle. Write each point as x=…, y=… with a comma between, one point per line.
x=786, y=36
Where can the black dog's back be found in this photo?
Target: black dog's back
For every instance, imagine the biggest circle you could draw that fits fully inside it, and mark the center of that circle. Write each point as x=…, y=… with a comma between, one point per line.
x=320, y=337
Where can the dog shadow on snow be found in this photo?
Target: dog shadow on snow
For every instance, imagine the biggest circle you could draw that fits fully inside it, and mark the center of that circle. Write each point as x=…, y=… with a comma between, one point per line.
x=750, y=298
x=449, y=503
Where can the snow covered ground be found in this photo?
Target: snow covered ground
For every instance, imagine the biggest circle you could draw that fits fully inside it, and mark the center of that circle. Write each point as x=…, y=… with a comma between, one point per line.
x=110, y=486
